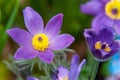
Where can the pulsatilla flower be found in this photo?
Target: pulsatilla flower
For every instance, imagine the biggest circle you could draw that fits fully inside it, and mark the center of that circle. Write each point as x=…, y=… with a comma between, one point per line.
x=107, y=12
x=64, y=74
x=102, y=43
x=39, y=41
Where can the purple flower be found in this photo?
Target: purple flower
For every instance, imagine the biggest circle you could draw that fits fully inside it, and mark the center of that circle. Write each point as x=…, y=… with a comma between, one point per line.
x=32, y=78
x=38, y=41
x=73, y=73
x=107, y=12
x=102, y=43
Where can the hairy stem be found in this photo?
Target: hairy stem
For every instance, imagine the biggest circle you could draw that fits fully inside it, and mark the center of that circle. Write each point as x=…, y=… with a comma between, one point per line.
x=93, y=75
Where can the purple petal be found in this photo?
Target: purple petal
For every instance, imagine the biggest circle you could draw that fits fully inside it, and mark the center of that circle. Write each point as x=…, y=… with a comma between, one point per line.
x=80, y=66
x=91, y=38
x=100, y=21
x=100, y=55
x=117, y=27
x=25, y=52
x=32, y=78
x=62, y=72
x=92, y=7
x=53, y=26
x=46, y=56
x=73, y=74
x=106, y=34
x=33, y=21
x=75, y=60
x=61, y=41
x=115, y=46
x=20, y=36
x=104, y=1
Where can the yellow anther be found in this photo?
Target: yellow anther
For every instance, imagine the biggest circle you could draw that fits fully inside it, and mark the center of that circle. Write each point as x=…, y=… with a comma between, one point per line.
x=112, y=9
x=98, y=45
x=107, y=48
x=40, y=42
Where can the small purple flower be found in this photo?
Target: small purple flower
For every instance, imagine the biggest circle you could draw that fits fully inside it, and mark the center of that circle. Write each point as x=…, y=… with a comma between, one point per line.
x=106, y=12
x=73, y=73
x=32, y=78
x=38, y=41
x=102, y=43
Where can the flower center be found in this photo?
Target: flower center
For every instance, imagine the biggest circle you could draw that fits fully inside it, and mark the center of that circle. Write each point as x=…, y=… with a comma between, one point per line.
x=104, y=46
x=112, y=9
x=40, y=42
x=63, y=78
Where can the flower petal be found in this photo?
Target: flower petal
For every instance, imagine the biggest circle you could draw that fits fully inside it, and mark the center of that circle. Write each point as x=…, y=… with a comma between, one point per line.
x=61, y=41
x=106, y=34
x=117, y=27
x=80, y=66
x=104, y=1
x=100, y=21
x=32, y=78
x=92, y=7
x=33, y=21
x=20, y=36
x=25, y=52
x=75, y=67
x=62, y=72
x=46, y=56
x=99, y=55
x=115, y=46
x=91, y=38
x=73, y=74
x=53, y=26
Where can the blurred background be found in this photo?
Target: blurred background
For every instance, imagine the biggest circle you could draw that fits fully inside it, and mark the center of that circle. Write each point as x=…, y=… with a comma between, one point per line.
x=74, y=23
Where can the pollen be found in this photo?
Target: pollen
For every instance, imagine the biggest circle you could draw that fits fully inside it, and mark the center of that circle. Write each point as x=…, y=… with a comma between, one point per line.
x=107, y=48
x=63, y=78
x=98, y=45
x=102, y=46
x=112, y=9
x=40, y=42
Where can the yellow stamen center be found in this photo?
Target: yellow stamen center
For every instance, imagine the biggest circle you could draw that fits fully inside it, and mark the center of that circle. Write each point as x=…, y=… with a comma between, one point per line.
x=63, y=78
x=98, y=45
x=40, y=42
x=107, y=48
x=104, y=46
x=112, y=9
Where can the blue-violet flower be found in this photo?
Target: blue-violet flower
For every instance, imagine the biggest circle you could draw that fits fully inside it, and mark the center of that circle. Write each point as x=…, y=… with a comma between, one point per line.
x=102, y=43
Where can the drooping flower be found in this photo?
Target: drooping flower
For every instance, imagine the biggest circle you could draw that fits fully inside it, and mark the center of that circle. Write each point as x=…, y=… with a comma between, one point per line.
x=64, y=74
x=32, y=78
x=107, y=12
x=37, y=41
x=102, y=43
